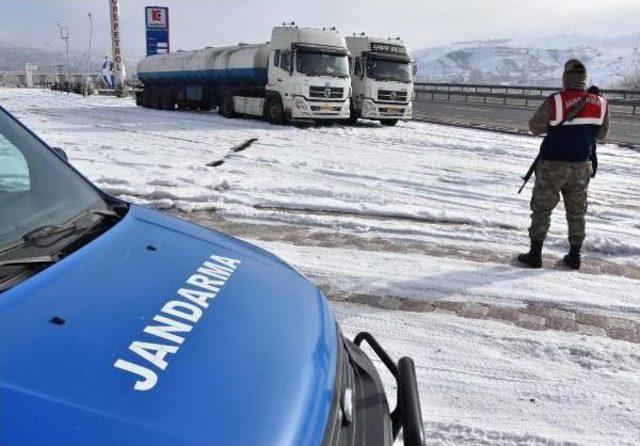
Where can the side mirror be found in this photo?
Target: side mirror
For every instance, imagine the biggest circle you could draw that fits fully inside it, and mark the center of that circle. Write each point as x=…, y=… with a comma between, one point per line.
x=61, y=153
x=414, y=68
x=357, y=67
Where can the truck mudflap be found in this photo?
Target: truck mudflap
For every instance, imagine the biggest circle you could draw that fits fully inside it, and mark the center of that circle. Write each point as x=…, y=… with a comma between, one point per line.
x=360, y=412
x=408, y=413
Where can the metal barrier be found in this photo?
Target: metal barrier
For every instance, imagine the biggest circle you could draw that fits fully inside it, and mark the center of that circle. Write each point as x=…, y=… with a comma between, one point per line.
x=506, y=93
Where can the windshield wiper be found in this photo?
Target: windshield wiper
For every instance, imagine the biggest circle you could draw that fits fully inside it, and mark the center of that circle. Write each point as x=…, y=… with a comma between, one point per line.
x=72, y=225
x=39, y=260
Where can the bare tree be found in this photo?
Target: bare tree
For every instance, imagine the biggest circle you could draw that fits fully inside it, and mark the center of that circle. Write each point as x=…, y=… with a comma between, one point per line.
x=631, y=81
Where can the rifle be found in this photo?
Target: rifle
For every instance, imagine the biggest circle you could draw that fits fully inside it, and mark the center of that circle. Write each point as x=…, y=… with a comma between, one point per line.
x=527, y=176
x=572, y=113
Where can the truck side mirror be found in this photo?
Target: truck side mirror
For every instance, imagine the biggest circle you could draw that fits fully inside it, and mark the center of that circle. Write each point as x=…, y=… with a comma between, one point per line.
x=357, y=67
x=414, y=68
x=60, y=152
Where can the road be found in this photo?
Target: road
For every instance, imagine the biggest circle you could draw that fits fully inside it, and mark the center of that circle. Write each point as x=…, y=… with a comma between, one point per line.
x=625, y=128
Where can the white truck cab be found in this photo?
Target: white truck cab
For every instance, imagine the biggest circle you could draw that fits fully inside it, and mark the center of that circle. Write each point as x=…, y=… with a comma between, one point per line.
x=309, y=72
x=382, y=79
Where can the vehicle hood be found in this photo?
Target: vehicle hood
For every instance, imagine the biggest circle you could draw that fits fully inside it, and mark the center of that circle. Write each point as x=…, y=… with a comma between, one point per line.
x=257, y=368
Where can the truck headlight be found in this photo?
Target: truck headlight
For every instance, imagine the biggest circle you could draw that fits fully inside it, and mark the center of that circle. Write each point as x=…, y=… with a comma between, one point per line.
x=301, y=104
x=369, y=105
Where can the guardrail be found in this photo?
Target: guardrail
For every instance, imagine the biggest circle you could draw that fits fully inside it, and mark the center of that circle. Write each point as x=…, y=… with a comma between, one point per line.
x=506, y=93
x=19, y=79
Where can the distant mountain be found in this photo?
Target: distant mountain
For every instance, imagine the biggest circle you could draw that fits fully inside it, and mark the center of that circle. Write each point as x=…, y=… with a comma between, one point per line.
x=14, y=57
x=529, y=61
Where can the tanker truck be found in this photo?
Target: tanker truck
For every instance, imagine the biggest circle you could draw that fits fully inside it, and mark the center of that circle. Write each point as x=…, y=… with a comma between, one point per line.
x=302, y=74
x=382, y=79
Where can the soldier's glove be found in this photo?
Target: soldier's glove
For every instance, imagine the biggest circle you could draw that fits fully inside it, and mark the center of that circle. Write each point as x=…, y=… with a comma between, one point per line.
x=594, y=167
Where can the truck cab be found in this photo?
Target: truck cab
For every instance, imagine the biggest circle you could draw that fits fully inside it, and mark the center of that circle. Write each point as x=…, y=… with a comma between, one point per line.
x=308, y=74
x=382, y=79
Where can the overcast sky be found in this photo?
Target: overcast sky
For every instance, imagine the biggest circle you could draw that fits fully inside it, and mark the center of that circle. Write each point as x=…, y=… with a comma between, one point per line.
x=422, y=23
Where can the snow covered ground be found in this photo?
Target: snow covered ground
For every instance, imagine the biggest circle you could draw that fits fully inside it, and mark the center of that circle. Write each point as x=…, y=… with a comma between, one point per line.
x=418, y=211
x=488, y=384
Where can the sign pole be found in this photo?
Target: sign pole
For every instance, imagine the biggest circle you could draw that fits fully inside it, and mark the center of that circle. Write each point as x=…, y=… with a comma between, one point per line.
x=116, y=44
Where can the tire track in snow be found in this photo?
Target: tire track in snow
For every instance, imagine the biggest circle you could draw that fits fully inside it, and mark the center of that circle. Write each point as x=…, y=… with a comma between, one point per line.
x=329, y=237
x=153, y=134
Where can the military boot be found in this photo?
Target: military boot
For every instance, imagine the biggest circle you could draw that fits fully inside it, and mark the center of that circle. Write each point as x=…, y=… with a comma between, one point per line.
x=572, y=260
x=534, y=257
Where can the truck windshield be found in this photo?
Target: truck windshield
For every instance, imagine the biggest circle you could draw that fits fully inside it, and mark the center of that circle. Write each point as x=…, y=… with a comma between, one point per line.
x=37, y=188
x=388, y=70
x=312, y=63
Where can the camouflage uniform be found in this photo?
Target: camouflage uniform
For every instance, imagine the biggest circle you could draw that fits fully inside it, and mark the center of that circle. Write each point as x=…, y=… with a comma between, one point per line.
x=552, y=179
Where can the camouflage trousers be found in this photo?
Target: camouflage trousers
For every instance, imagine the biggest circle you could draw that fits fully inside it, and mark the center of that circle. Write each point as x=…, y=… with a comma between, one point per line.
x=552, y=179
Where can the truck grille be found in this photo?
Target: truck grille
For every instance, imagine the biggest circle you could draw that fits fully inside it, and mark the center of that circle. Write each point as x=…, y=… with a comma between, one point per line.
x=326, y=92
x=388, y=95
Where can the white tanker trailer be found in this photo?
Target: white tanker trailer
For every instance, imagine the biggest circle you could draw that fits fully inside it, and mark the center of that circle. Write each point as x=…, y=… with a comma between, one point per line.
x=301, y=75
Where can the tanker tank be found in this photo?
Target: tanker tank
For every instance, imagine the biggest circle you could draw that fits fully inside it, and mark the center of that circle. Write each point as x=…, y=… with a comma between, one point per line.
x=242, y=64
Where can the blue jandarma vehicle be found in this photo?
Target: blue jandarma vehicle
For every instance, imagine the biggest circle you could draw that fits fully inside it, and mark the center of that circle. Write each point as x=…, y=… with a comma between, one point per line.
x=120, y=325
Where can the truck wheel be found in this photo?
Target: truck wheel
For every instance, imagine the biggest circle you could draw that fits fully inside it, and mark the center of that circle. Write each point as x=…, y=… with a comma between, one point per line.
x=228, y=109
x=275, y=111
x=155, y=101
x=389, y=122
x=165, y=101
x=146, y=99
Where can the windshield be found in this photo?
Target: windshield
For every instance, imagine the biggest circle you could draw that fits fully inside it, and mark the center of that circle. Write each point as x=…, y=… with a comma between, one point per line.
x=314, y=63
x=388, y=70
x=36, y=187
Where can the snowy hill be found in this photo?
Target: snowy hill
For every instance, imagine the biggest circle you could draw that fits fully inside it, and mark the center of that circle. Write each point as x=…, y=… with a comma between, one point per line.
x=13, y=57
x=529, y=61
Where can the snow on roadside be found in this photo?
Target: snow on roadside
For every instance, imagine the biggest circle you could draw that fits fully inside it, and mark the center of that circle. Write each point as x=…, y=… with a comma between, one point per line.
x=424, y=277
x=483, y=383
x=421, y=172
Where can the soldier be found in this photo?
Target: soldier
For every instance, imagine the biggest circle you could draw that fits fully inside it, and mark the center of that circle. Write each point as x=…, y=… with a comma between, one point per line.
x=573, y=120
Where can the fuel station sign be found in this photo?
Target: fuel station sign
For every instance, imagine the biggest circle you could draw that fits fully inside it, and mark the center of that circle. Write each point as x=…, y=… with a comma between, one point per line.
x=157, y=25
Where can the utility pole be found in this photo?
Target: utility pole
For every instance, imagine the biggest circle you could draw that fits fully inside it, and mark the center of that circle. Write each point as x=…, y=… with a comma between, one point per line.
x=64, y=35
x=90, y=39
x=86, y=89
